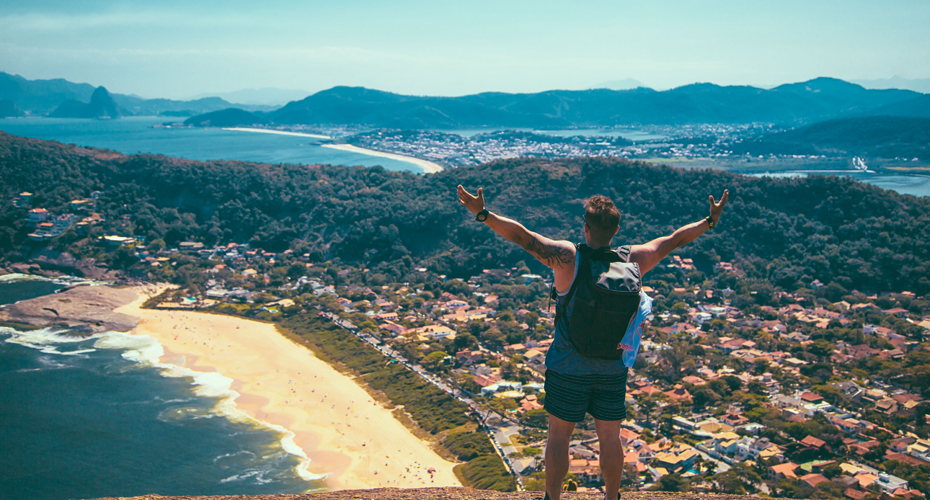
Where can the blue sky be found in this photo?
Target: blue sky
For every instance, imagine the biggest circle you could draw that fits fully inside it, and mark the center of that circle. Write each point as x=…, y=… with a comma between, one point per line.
x=178, y=49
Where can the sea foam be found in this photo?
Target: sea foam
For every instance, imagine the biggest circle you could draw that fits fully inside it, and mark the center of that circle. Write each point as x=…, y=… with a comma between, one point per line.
x=61, y=280
x=146, y=350
x=48, y=340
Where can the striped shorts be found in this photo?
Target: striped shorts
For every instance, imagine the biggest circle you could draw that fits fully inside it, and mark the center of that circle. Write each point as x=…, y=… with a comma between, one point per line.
x=569, y=397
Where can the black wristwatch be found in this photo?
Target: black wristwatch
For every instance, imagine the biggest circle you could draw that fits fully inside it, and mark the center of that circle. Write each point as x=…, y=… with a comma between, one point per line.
x=710, y=222
x=482, y=215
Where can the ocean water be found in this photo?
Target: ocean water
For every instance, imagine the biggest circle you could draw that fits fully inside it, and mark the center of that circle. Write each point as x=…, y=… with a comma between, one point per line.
x=14, y=288
x=135, y=134
x=94, y=417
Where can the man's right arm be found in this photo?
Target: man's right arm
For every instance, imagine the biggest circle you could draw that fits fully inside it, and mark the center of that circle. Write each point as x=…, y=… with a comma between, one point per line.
x=556, y=254
x=553, y=253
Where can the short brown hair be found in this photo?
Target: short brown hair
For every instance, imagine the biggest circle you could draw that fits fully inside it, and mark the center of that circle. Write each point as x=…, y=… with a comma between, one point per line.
x=602, y=217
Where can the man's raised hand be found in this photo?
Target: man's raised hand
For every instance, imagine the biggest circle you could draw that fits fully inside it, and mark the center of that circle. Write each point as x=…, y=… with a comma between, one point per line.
x=717, y=208
x=474, y=204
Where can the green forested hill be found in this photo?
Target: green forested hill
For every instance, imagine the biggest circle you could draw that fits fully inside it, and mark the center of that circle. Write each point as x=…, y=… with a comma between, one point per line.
x=783, y=230
x=229, y=117
x=870, y=136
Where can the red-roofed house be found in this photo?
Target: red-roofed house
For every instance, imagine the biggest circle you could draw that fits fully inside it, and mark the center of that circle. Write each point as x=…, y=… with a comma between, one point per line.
x=855, y=493
x=810, y=397
x=735, y=420
x=863, y=448
x=813, y=480
x=783, y=471
x=680, y=394
x=693, y=380
x=812, y=442
x=393, y=328
x=627, y=436
x=485, y=381
x=529, y=403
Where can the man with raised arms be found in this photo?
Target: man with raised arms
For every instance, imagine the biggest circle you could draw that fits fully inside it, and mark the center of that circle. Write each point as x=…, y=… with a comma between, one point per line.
x=575, y=384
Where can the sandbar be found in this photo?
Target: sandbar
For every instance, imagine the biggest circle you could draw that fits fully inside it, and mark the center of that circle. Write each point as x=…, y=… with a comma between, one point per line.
x=278, y=132
x=346, y=434
x=427, y=166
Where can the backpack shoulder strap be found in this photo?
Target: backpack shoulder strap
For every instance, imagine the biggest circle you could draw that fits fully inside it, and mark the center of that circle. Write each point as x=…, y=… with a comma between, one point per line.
x=584, y=254
x=624, y=252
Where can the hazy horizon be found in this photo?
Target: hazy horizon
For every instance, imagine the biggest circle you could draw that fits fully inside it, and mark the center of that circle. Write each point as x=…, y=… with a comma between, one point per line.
x=179, y=50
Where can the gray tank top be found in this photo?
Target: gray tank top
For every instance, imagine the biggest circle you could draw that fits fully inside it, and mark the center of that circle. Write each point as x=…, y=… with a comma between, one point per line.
x=562, y=356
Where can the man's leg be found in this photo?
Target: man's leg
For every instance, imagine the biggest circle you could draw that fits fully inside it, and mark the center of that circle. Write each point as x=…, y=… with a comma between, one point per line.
x=560, y=434
x=611, y=459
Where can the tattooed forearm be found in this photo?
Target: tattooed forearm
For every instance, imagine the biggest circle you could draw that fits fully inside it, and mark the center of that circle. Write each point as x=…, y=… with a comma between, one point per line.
x=551, y=254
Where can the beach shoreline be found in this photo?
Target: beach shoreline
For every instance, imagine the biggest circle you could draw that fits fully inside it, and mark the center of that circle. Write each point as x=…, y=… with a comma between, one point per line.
x=427, y=166
x=346, y=435
x=276, y=132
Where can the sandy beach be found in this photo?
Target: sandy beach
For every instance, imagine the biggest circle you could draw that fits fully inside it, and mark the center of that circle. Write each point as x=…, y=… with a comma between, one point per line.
x=277, y=132
x=346, y=435
x=427, y=166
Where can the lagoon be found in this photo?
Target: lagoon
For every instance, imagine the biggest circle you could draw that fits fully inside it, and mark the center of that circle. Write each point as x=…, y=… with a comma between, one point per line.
x=917, y=185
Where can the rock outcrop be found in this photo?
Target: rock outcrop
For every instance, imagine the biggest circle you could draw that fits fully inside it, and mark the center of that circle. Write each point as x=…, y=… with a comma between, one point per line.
x=101, y=105
x=86, y=308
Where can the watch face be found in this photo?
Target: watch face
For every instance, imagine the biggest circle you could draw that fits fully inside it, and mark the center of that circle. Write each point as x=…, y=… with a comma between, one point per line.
x=482, y=216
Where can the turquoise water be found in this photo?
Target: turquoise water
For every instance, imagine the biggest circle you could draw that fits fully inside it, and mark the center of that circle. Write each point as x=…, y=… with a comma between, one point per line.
x=135, y=135
x=89, y=418
x=917, y=185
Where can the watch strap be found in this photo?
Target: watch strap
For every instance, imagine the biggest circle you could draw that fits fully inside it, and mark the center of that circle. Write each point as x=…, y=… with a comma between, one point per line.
x=710, y=222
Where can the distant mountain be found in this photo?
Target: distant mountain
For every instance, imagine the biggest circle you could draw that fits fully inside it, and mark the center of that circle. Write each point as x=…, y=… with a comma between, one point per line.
x=625, y=84
x=230, y=117
x=260, y=97
x=919, y=106
x=167, y=107
x=9, y=108
x=792, y=104
x=868, y=136
x=101, y=105
x=896, y=82
x=815, y=100
x=41, y=97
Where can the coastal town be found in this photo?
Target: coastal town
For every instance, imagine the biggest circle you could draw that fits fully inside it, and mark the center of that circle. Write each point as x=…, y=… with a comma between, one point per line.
x=739, y=388
x=451, y=149
x=753, y=387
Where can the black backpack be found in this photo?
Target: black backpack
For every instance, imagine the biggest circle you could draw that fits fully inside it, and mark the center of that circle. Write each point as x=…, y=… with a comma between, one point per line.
x=605, y=297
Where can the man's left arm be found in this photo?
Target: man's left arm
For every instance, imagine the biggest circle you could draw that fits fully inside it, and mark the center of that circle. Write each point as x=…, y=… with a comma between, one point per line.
x=648, y=255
